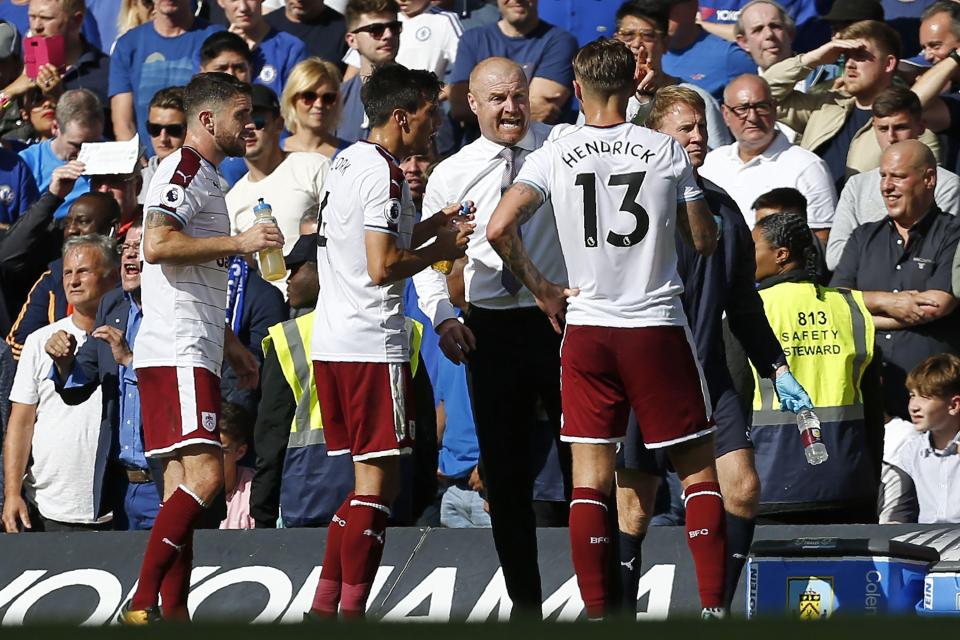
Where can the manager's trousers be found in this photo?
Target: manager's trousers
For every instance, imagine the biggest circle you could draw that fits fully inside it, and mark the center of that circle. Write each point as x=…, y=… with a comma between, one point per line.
x=515, y=369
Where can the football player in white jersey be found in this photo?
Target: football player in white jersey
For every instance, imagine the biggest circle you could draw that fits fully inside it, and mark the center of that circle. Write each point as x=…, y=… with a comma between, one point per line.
x=182, y=339
x=367, y=247
x=625, y=192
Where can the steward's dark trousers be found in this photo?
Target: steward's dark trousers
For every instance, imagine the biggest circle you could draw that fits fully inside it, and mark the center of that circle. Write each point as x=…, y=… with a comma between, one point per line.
x=515, y=371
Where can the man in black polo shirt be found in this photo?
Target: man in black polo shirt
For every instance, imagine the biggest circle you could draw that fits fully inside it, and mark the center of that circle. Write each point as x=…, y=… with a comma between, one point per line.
x=903, y=265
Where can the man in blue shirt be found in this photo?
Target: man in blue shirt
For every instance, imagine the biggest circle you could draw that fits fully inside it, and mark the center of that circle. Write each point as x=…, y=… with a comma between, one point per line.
x=79, y=119
x=698, y=57
x=544, y=51
x=106, y=361
x=274, y=52
x=161, y=53
x=18, y=189
x=587, y=20
x=318, y=26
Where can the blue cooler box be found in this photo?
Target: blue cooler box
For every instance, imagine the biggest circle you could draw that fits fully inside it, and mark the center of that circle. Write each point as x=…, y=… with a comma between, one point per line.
x=819, y=577
x=941, y=590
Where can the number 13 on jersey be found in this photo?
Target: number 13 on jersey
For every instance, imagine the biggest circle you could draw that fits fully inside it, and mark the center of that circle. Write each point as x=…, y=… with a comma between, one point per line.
x=632, y=181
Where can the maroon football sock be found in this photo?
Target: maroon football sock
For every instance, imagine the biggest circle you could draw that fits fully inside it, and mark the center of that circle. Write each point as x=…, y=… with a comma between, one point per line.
x=175, y=586
x=590, y=547
x=327, y=597
x=170, y=537
x=707, y=540
x=360, y=551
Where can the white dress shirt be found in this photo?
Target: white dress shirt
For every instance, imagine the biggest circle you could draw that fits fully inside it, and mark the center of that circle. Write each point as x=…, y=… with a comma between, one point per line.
x=781, y=165
x=475, y=173
x=936, y=476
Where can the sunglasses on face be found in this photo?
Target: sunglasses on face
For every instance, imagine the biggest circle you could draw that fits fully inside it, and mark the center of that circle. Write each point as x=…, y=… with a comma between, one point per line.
x=173, y=130
x=378, y=29
x=328, y=99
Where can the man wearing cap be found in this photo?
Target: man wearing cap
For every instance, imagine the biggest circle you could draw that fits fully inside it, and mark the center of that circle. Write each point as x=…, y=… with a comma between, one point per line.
x=290, y=182
x=293, y=469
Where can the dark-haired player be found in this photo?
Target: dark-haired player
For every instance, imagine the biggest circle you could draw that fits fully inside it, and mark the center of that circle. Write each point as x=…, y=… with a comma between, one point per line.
x=182, y=340
x=626, y=191
x=367, y=239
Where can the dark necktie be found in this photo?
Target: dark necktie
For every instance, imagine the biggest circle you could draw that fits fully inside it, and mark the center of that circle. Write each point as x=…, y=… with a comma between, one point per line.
x=510, y=168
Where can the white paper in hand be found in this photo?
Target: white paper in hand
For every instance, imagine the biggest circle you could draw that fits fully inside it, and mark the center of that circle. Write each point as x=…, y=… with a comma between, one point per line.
x=106, y=158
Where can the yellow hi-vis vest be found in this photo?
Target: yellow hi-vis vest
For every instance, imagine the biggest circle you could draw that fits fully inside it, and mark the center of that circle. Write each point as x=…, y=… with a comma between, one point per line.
x=827, y=337
x=292, y=342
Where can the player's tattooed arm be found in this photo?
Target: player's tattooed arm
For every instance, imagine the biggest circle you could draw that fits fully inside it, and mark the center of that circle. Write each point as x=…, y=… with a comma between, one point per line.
x=698, y=226
x=157, y=218
x=517, y=205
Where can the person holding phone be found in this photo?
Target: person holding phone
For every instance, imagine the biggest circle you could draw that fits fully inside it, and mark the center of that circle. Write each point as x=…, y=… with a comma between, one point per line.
x=57, y=57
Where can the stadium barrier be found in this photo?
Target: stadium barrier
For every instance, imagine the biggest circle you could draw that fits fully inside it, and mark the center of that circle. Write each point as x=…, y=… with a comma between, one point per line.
x=269, y=576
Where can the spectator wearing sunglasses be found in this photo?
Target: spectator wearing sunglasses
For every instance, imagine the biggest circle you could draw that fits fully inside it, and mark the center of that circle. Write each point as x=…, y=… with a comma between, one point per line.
x=373, y=31
x=274, y=53
x=290, y=182
x=167, y=127
x=318, y=26
x=311, y=108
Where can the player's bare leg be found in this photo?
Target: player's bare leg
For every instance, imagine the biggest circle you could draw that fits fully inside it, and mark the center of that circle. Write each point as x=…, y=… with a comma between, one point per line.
x=636, y=494
x=361, y=544
x=593, y=473
x=168, y=558
x=740, y=486
x=696, y=467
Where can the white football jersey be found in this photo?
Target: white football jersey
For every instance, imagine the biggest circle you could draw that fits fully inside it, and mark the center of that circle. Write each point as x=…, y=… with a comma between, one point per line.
x=357, y=320
x=184, y=306
x=615, y=192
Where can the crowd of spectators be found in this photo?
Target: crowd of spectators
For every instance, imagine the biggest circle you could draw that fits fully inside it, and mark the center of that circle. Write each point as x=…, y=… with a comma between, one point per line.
x=831, y=133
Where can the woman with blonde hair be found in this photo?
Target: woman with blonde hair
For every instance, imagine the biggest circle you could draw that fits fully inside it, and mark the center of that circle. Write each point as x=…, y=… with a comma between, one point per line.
x=310, y=105
x=133, y=13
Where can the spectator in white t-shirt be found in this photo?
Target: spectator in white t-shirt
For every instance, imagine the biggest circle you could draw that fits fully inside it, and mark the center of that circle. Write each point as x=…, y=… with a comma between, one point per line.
x=762, y=159
x=290, y=183
x=428, y=41
x=311, y=105
x=55, y=455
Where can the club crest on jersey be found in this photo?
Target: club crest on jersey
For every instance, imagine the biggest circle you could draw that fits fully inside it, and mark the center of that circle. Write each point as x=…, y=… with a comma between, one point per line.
x=208, y=420
x=172, y=196
x=392, y=211
x=267, y=74
x=423, y=34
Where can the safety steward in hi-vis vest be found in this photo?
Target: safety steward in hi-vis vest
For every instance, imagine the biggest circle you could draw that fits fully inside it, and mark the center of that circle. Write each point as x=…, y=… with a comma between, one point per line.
x=313, y=484
x=827, y=337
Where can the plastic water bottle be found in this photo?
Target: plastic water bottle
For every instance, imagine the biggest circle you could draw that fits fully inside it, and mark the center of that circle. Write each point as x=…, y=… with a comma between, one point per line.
x=809, y=425
x=446, y=266
x=272, y=265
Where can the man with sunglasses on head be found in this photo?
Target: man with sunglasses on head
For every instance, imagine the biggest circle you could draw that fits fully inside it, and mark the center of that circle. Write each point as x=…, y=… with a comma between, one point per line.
x=762, y=158
x=373, y=31
x=290, y=182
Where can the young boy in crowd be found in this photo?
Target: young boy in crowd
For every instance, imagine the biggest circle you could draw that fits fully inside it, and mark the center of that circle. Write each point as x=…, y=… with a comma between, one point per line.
x=930, y=458
x=236, y=429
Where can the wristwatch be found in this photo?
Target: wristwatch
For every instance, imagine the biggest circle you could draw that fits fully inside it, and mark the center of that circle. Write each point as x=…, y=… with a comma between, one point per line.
x=953, y=55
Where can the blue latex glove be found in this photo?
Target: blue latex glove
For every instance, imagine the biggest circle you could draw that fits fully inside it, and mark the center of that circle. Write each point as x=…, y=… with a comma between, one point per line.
x=793, y=397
